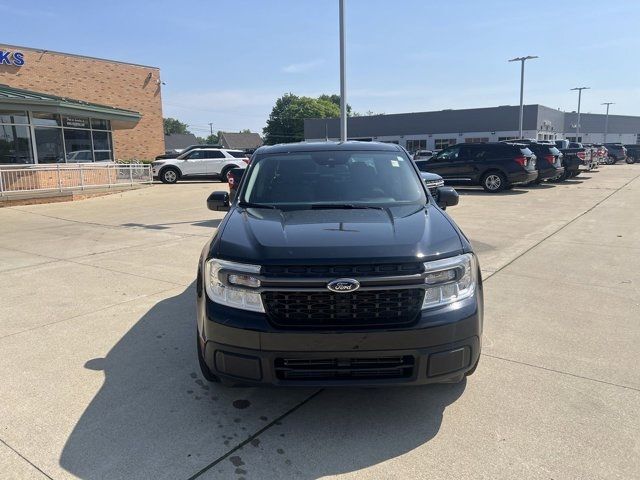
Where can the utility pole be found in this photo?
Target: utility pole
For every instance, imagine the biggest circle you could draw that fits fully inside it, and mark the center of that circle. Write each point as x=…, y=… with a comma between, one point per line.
x=522, y=60
x=343, y=84
x=606, y=120
x=211, y=128
x=579, y=89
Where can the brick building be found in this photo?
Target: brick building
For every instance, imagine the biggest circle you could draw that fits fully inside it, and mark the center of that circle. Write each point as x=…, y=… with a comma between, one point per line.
x=59, y=107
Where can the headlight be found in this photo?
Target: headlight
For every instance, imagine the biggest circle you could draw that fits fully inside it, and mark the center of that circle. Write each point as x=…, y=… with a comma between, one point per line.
x=450, y=280
x=222, y=274
x=157, y=163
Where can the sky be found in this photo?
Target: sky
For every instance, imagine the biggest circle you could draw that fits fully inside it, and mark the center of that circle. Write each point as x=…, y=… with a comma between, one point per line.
x=226, y=61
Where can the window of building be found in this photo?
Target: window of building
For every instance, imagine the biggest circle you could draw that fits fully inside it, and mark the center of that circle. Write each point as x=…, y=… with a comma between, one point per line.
x=102, y=146
x=99, y=124
x=441, y=143
x=46, y=119
x=637, y=138
x=506, y=139
x=49, y=145
x=15, y=144
x=78, y=145
x=476, y=140
x=11, y=116
x=415, y=145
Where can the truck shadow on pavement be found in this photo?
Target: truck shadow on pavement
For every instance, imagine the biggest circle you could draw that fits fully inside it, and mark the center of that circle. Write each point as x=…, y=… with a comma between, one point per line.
x=155, y=417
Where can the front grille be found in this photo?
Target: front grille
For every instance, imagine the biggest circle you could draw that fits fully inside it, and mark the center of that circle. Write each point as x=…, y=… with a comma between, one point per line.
x=318, y=271
x=344, y=368
x=363, y=308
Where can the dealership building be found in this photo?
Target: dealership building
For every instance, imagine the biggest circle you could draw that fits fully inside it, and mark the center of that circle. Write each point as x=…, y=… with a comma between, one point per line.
x=65, y=108
x=439, y=129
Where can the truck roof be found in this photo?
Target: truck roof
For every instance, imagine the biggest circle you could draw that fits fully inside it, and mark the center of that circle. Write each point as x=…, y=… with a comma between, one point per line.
x=327, y=146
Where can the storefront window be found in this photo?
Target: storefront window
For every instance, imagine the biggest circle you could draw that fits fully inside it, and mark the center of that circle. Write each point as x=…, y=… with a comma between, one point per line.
x=15, y=144
x=46, y=119
x=78, y=145
x=102, y=146
x=49, y=145
x=98, y=124
x=9, y=116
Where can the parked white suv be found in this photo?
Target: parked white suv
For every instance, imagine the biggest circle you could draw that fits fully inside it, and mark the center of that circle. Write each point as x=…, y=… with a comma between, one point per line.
x=199, y=162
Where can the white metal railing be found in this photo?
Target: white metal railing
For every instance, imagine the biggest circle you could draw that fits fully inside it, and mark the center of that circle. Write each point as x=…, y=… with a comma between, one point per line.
x=65, y=177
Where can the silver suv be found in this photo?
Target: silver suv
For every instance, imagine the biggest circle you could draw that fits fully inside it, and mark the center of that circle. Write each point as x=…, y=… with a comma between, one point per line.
x=199, y=162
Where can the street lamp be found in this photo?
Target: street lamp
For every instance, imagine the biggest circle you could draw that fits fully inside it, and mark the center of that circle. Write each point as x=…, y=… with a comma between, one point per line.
x=579, y=89
x=343, y=84
x=606, y=120
x=522, y=60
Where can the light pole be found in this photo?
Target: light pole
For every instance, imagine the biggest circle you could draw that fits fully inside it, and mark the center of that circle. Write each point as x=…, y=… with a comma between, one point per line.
x=579, y=89
x=343, y=83
x=606, y=120
x=522, y=60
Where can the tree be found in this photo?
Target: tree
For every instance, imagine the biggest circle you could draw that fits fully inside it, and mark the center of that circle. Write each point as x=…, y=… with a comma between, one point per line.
x=173, y=125
x=335, y=98
x=286, y=121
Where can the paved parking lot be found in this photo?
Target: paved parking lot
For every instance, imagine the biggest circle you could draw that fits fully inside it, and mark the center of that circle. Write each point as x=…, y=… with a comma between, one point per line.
x=99, y=377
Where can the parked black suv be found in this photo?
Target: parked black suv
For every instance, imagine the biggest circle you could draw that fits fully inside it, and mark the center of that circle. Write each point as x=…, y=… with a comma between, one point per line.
x=617, y=151
x=334, y=266
x=548, y=159
x=495, y=166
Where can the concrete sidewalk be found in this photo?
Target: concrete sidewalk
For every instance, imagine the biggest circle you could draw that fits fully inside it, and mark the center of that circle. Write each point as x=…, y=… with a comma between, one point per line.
x=99, y=376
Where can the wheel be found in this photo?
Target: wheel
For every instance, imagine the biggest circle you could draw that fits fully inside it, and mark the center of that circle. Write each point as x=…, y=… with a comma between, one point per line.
x=169, y=175
x=223, y=174
x=631, y=160
x=611, y=160
x=494, y=182
x=206, y=372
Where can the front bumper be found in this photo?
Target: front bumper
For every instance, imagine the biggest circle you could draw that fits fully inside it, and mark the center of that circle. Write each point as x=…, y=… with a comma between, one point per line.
x=244, y=347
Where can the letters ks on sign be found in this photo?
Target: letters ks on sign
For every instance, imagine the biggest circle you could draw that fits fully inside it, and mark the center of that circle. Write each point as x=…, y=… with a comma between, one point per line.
x=7, y=57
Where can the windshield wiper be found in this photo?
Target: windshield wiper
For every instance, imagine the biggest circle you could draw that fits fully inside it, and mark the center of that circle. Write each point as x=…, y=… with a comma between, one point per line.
x=256, y=205
x=343, y=206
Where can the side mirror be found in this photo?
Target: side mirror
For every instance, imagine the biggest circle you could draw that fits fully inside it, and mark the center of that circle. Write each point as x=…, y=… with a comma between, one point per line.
x=218, y=201
x=447, y=197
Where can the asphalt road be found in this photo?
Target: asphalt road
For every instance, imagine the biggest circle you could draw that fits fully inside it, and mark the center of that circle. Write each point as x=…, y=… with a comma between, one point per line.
x=99, y=379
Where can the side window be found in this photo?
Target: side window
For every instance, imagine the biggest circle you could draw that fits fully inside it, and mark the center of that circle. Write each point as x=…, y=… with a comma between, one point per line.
x=195, y=155
x=214, y=154
x=448, y=155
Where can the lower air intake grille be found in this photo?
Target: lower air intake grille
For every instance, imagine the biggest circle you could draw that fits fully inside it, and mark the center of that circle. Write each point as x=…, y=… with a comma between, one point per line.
x=376, y=368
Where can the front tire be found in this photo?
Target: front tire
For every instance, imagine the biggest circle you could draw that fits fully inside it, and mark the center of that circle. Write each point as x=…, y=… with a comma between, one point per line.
x=169, y=175
x=494, y=182
x=631, y=160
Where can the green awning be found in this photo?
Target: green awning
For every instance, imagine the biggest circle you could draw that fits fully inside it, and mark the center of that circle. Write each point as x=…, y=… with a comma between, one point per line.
x=15, y=98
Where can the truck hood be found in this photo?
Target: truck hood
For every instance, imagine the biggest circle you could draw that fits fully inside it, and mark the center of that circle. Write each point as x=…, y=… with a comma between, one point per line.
x=404, y=233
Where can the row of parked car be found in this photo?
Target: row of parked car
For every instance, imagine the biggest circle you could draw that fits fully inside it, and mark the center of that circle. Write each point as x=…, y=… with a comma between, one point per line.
x=495, y=166
x=498, y=166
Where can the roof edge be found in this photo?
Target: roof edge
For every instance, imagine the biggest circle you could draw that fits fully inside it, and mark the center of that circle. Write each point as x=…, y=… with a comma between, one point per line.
x=56, y=52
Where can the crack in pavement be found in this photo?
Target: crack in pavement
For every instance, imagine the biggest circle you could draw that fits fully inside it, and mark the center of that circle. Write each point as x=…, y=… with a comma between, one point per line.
x=90, y=313
x=255, y=435
x=598, y=203
x=26, y=459
x=553, y=370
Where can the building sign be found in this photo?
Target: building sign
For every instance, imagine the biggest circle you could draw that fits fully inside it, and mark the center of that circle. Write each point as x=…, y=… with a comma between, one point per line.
x=7, y=57
x=75, y=122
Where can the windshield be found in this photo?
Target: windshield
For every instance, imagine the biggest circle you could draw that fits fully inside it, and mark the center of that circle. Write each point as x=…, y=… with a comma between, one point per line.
x=333, y=177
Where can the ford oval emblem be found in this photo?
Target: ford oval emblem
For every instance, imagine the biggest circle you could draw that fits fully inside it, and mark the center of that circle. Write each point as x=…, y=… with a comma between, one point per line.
x=343, y=285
